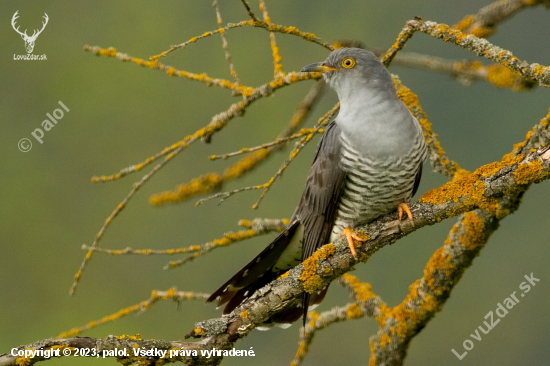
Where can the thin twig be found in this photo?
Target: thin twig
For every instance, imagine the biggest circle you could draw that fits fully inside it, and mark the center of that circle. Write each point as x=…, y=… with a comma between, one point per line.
x=256, y=227
x=170, y=294
x=299, y=145
x=277, y=59
x=278, y=141
x=270, y=27
x=225, y=45
x=249, y=11
x=209, y=182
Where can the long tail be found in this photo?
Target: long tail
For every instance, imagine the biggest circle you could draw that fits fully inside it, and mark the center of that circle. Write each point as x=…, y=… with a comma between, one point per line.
x=256, y=274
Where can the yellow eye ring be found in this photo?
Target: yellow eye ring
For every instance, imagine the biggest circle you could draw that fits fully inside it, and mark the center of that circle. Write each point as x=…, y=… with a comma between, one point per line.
x=348, y=63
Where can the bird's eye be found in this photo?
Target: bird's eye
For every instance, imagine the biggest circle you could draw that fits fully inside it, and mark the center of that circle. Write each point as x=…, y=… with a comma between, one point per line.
x=348, y=62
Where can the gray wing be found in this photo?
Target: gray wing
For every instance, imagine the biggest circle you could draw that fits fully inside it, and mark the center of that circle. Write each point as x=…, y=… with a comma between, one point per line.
x=319, y=202
x=324, y=185
x=315, y=211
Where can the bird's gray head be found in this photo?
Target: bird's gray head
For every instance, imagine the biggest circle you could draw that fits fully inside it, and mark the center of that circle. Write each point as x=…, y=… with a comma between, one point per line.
x=349, y=69
x=369, y=106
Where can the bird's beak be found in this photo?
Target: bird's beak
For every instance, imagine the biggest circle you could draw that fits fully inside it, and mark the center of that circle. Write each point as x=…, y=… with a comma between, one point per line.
x=318, y=67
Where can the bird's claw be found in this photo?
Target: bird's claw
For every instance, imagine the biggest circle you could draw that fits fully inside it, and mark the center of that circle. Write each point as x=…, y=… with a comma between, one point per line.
x=404, y=207
x=352, y=235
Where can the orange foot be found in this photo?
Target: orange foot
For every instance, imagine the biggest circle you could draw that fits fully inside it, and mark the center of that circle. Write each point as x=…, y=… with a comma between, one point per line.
x=405, y=207
x=350, y=235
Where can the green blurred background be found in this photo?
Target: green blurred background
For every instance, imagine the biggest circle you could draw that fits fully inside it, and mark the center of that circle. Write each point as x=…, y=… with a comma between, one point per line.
x=121, y=113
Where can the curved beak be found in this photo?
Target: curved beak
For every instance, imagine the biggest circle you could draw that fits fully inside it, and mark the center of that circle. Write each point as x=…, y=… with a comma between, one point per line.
x=317, y=67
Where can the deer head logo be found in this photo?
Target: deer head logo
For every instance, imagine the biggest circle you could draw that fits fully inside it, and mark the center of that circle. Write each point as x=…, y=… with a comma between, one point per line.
x=29, y=41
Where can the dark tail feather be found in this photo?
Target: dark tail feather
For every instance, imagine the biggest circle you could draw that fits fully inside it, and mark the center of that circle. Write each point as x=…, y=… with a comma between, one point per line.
x=312, y=299
x=288, y=316
x=256, y=274
x=237, y=297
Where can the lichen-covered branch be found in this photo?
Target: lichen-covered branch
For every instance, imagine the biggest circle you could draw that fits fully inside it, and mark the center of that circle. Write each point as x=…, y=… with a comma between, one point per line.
x=428, y=294
x=484, y=23
x=127, y=350
x=270, y=27
x=323, y=121
x=438, y=158
x=170, y=294
x=366, y=303
x=225, y=45
x=277, y=59
x=476, y=45
x=254, y=228
x=465, y=71
x=485, y=188
x=209, y=182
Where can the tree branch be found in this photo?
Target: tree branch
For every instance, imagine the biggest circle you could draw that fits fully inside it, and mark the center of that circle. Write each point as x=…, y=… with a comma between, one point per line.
x=484, y=23
x=478, y=46
x=486, y=188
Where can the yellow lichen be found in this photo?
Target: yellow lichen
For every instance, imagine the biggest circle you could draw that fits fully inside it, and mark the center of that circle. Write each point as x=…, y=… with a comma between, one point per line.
x=482, y=32
x=439, y=261
x=530, y=173
x=474, y=231
x=284, y=275
x=312, y=281
x=502, y=77
x=470, y=188
x=245, y=164
x=354, y=311
x=410, y=99
x=384, y=340
x=198, y=331
x=244, y=314
x=313, y=317
x=452, y=191
x=202, y=184
x=362, y=291
x=465, y=23
x=372, y=360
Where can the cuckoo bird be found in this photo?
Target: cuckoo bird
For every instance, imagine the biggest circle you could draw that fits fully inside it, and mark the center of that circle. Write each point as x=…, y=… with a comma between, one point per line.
x=368, y=163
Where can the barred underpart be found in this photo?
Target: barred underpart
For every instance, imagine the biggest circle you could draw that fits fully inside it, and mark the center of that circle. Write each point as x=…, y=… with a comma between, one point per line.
x=374, y=188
